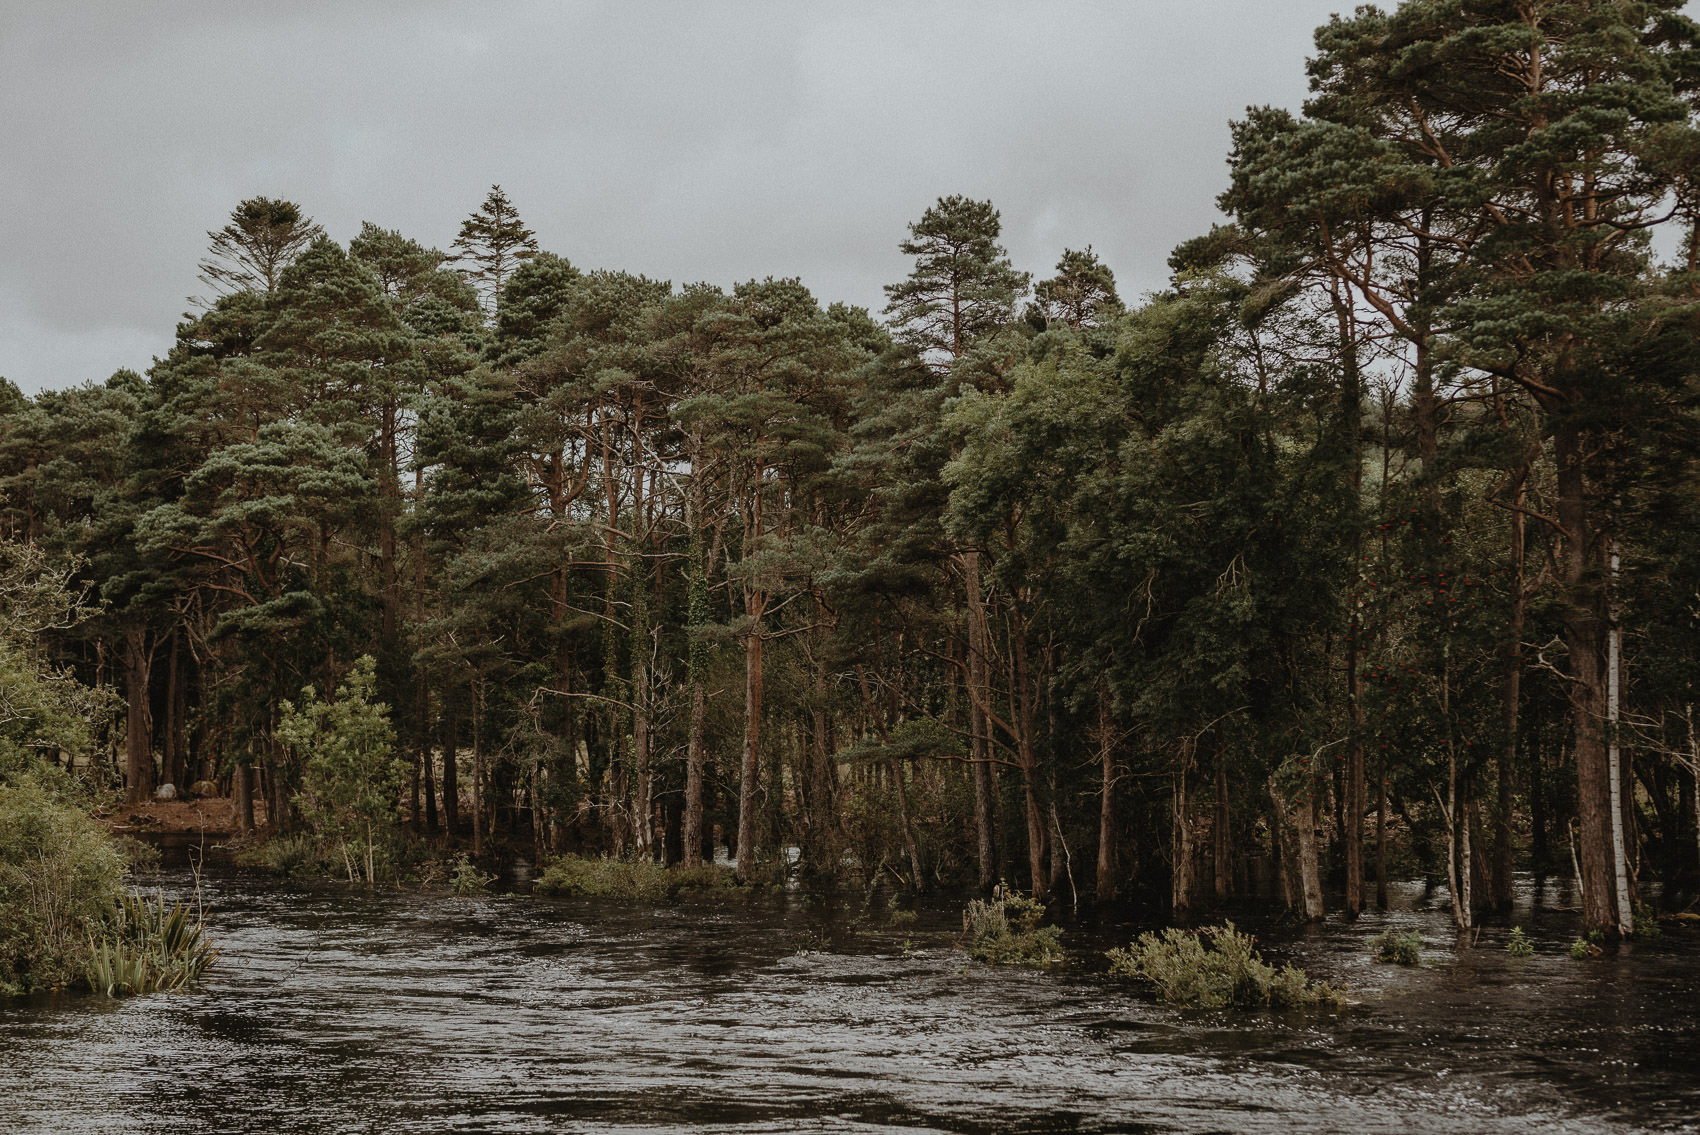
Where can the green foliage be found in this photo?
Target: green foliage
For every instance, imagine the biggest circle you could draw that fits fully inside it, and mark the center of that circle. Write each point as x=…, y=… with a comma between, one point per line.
x=59, y=878
x=148, y=949
x=466, y=879
x=628, y=879
x=1519, y=946
x=1403, y=948
x=1647, y=922
x=1007, y=932
x=351, y=774
x=1582, y=949
x=1218, y=967
x=298, y=856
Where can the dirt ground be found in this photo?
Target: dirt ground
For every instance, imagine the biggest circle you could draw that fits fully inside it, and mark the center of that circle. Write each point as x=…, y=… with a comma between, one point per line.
x=212, y=815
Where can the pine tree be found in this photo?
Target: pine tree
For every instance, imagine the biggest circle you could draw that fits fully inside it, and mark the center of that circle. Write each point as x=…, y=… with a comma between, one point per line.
x=250, y=253
x=963, y=284
x=492, y=244
x=1081, y=294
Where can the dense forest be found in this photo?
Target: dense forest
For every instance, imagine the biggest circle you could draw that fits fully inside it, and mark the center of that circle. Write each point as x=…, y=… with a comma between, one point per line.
x=1369, y=548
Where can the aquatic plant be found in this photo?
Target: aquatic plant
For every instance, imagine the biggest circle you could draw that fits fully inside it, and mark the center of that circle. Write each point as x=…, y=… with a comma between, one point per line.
x=626, y=879
x=1519, y=945
x=1218, y=967
x=1582, y=948
x=1646, y=922
x=1007, y=932
x=1403, y=948
x=466, y=879
x=148, y=949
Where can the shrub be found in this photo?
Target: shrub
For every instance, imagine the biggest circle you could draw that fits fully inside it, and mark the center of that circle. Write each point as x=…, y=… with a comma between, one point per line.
x=626, y=879
x=1402, y=948
x=148, y=949
x=1519, y=946
x=1228, y=971
x=1582, y=948
x=1006, y=932
x=351, y=776
x=466, y=879
x=59, y=876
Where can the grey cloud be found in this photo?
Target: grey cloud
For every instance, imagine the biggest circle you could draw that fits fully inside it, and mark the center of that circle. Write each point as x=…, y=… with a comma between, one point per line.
x=712, y=141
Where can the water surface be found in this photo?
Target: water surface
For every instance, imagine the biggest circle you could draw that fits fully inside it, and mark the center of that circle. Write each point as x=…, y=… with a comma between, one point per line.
x=333, y=1010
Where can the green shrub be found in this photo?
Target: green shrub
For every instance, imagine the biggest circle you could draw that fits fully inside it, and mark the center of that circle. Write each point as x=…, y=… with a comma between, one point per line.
x=1006, y=932
x=148, y=949
x=1582, y=948
x=625, y=879
x=466, y=879
x=1228, y=971
x=1404, y=948
x=1646, y=922
x=1519, y=946
x=350, y=773
x=60, y=875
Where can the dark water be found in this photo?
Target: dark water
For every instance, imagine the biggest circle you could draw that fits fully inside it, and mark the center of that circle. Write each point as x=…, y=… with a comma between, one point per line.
x=332, y=1011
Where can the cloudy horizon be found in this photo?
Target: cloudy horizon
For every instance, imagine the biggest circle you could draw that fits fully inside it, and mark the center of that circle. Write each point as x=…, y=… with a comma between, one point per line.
x=716, y=142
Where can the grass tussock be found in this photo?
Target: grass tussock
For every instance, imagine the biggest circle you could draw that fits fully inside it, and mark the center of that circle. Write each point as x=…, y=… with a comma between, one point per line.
x=625, y=879
x=148, y=949
x=1007, y=932
x=1218, y=967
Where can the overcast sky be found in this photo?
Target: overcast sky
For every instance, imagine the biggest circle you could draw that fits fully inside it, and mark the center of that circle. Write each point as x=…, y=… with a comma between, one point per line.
x=687, y=141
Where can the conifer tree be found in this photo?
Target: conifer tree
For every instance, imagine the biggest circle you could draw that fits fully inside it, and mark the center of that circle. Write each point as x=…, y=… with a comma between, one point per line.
x=250, y=253
x=492, y=245
x=963, y=284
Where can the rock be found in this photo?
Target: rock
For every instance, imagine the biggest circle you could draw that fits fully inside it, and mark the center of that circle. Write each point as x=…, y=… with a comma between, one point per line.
x=203, y=788
x=165, y=792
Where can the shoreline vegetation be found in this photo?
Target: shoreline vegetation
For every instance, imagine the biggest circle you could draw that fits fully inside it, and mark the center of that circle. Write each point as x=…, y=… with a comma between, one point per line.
x=1366, y=548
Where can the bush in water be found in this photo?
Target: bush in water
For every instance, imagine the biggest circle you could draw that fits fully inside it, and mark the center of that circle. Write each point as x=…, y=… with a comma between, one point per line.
x=1218, y=967
x=625, y=879
x=1405, y=948
x=1006, y=932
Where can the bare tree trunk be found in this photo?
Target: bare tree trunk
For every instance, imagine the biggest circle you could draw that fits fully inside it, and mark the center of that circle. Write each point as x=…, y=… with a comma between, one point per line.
x=1029, y=759
x=749, y=766
x=1221, y=835
x=1310, y=867
x=1585, y=621
x=1614, y=760
x=979, y=727
x=451, y=771
x=1106, y=889
x=138, y=748
x=1180, y=876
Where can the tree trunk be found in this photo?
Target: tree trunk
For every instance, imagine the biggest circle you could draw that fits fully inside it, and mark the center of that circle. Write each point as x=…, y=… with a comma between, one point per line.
x=1180, y=875
x=1221, y=835
x=1584, y=620
x=979, y=728
x=749, y=765
x=1106, y=889
x=138, y=748
x=1310, y=866
x=451, y=773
